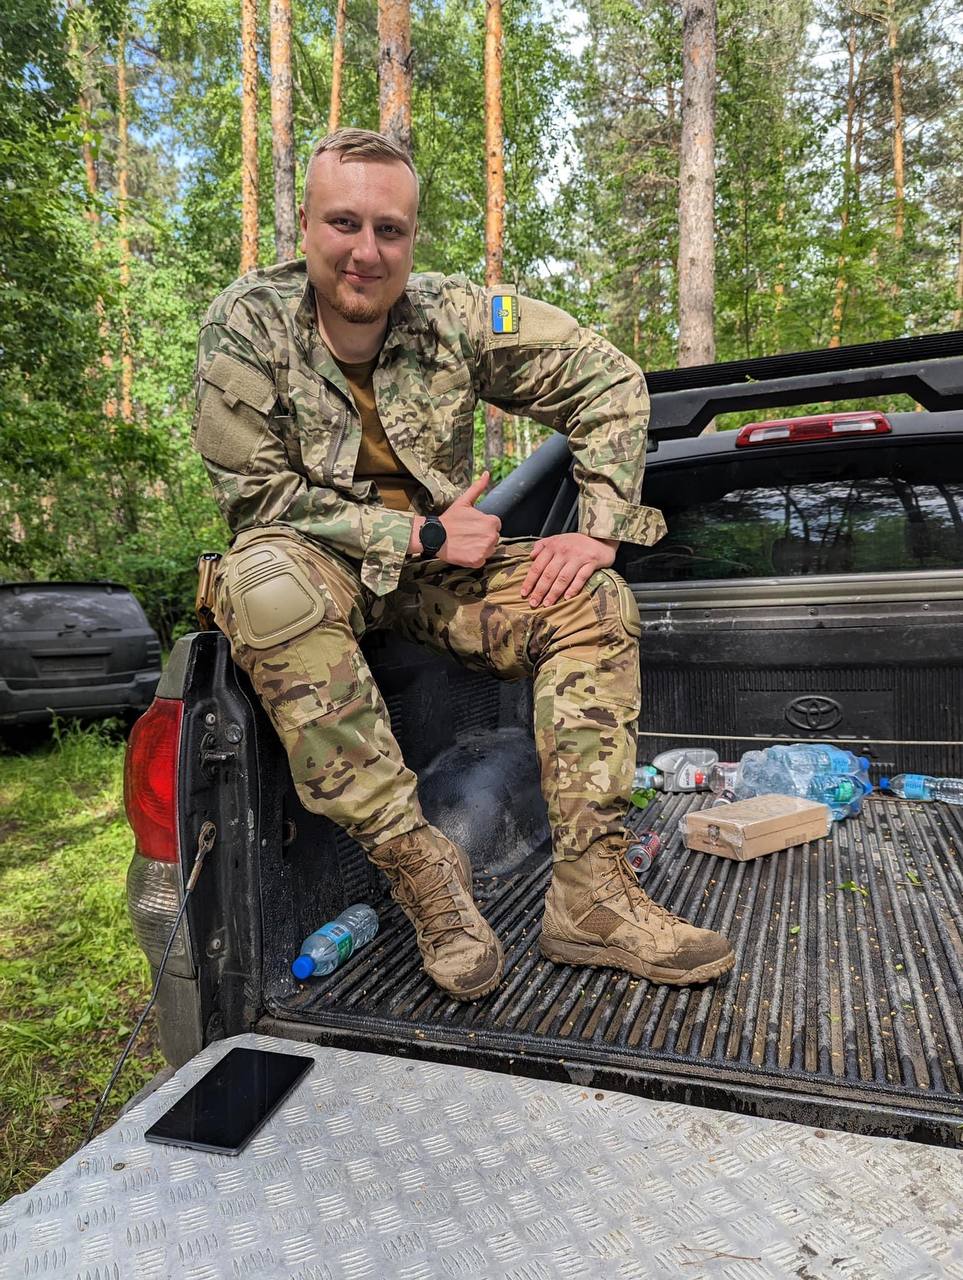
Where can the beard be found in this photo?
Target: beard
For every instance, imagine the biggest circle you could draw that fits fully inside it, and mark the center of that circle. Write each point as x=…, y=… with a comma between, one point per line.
x=355, y=307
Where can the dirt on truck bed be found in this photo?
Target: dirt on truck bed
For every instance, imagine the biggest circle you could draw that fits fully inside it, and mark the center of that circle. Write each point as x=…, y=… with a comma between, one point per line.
x=844, y=1008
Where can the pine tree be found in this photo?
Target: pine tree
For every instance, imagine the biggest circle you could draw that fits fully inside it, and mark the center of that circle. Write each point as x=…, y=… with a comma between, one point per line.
x=249, y=155
x=282, y=131
x=495, y=195
x=394, y=71
x=697, y=184
x=337, y=66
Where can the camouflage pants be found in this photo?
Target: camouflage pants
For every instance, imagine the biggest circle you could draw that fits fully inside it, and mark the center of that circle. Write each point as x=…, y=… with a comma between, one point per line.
x=294, y=614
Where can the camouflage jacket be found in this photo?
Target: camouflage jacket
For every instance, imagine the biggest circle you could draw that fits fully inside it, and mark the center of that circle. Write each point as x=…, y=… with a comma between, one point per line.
x=279, y=432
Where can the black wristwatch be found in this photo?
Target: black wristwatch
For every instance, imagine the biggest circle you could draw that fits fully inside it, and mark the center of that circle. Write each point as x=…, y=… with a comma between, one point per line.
x=432, y=535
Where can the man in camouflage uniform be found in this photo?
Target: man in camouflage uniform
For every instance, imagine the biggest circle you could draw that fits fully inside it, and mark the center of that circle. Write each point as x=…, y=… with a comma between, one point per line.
x=335, y=403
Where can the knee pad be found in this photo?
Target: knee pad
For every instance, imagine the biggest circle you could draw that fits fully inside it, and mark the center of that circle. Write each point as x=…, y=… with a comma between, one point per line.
x=613, y=595
x=272, y=598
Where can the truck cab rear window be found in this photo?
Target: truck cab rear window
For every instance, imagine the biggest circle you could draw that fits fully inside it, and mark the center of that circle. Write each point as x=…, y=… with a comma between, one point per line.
x=873, y=524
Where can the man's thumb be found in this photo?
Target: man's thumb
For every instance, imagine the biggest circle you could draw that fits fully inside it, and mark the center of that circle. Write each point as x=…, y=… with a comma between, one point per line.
x=473, y=492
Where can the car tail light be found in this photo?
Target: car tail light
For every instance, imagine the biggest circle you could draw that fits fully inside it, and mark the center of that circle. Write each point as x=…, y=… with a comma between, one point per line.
x=150, y=779
x=821, y=426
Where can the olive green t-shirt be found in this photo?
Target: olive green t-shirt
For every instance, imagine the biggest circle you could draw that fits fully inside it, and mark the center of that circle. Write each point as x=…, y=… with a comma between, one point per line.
x=377, y=460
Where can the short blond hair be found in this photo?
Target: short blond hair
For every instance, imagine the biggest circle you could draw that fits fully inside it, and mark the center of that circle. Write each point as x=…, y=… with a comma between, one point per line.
x=359, y=144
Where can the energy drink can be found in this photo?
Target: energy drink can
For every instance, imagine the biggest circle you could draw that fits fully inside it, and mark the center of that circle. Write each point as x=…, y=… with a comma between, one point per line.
x=641, y=853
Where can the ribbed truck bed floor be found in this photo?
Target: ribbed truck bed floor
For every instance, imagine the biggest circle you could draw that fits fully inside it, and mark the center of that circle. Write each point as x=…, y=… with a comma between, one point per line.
x=375, y=1167
x=844, y=1009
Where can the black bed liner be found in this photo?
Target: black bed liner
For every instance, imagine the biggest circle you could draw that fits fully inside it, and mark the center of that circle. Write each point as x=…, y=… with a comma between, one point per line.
x=844, y=1009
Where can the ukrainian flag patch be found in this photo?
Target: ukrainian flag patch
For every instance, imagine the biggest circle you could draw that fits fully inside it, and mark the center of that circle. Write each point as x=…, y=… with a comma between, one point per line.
x=504, y=314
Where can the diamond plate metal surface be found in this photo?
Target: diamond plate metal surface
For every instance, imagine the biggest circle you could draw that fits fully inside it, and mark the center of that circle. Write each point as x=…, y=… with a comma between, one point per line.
x=377, y=1167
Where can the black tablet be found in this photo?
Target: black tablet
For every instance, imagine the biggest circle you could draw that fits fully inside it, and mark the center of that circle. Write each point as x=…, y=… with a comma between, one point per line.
x=231, y=1101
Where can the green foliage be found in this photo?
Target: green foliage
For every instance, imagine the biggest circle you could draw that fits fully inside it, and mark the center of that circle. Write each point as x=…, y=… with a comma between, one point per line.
x=591, y=218
x=72, y=979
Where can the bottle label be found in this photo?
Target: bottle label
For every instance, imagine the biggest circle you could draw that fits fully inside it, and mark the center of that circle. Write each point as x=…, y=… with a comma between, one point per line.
x=341, y=937
x=690, y=777
x=914, y=786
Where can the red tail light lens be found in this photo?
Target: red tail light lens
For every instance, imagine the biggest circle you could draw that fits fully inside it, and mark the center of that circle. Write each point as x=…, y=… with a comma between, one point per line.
x=150, y=779
x=822, y=426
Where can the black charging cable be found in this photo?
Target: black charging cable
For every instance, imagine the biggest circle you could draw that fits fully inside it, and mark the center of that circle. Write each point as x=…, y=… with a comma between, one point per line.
x=205, y=842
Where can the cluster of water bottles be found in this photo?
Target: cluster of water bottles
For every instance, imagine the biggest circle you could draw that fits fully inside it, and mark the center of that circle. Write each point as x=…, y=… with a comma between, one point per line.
x=813, y=770
x=817, y=771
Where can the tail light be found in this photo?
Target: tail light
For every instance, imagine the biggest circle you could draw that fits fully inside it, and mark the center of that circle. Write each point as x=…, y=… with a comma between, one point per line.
x=150, y=779
x=821, y=426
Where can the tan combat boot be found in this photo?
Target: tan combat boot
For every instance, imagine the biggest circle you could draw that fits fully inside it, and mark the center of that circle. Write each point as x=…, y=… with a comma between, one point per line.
x=595, y=913
x=431, y=882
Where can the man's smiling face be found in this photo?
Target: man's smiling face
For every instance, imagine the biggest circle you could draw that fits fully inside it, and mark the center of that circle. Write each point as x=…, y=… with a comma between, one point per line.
x=358, y=233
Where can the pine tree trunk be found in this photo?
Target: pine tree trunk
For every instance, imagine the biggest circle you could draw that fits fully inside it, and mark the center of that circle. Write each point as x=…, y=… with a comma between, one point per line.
x=337, y=63
x=394, y=71
x=126, y=361
x=495, y=202
x=697, y=184
x=249, y=160
x=90, y=168
x=958, y=313
x=779, y=288
x=282, y=131
x=80, y=56
x=91, y=213
x=839, y=289
x=636, y=309
x=899, y=127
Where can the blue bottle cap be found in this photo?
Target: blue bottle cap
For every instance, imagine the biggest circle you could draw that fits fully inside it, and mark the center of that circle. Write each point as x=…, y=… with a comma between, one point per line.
x=303, y=967
x=884, y=784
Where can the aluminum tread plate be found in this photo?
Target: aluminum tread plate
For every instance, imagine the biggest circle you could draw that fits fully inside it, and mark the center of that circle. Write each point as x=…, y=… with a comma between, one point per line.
x=380, y=1167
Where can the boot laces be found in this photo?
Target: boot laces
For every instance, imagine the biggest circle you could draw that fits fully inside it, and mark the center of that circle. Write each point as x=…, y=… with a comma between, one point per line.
x=429, y=898
x=618, y=880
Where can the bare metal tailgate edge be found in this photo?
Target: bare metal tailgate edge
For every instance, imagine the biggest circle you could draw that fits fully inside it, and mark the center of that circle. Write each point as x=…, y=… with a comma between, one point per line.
x=378, y=1166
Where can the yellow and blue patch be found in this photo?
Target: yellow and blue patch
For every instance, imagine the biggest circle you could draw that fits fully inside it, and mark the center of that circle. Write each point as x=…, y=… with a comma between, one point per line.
x=504, y=314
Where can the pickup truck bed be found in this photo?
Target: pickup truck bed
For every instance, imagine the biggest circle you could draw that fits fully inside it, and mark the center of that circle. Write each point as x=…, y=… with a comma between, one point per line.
x=376, y=1167
x=811, y=588
x=844, y=1009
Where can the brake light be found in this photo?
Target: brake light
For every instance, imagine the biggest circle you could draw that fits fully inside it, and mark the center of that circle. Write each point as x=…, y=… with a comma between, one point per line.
x=821, y=426
x=150, y=779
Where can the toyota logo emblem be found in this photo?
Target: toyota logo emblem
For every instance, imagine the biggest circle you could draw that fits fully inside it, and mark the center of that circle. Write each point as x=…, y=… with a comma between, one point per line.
x=814, y=713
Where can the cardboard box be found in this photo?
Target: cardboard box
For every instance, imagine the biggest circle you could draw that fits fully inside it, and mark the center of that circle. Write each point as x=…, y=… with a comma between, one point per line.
x=751, y=828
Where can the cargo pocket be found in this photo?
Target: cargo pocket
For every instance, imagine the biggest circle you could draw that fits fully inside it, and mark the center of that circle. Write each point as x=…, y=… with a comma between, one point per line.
x=231, y=418
x=618, y=676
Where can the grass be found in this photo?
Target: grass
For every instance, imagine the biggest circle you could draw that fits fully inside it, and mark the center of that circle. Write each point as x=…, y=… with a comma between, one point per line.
x=72, y=979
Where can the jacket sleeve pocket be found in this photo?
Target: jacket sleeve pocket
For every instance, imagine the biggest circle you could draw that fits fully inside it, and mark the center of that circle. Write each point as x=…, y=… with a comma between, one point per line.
x=233, y=403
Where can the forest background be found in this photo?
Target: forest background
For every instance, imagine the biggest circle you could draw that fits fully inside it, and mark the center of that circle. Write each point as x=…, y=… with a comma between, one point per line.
x=836, y=210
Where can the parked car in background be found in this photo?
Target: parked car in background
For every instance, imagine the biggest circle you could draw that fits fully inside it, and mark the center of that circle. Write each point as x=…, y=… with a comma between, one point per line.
x=75, y=649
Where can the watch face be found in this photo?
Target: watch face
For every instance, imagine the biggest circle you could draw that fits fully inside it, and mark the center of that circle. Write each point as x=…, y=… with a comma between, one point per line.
x=433, y=535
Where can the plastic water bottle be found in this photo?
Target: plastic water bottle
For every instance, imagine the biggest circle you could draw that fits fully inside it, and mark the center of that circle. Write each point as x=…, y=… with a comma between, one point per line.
x=818, y=757
x=641, y=853
x=647, y=778
x=334, y=942
x=761, y=774
x=814, y=771
x=842, y=793
x=920, y=786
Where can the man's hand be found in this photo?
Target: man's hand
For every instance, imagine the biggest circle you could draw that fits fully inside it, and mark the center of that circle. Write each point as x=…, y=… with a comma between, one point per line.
x=471, y=536
x=562, y=565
